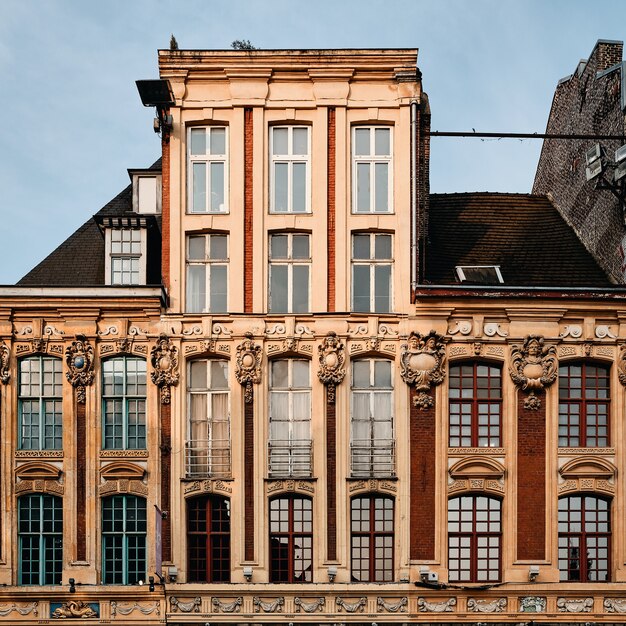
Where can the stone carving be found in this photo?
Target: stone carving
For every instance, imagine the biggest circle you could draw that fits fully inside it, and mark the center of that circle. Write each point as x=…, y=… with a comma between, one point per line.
x=74, y=609
x=248, y=368
x=185, y=606
x=615, y=605
x=331, y=370
x=621, y=364
x=567, y=351
x=38, y=345
x=386, y=330
x=422, y=364
x=26, y=330
x=603, y=331
x=126, y=608
x=443, y=606
x=399, y=606
x=220, y=329
x=52, y=331
x=461, y=326
x=358, y=606
x=492, y=328
x=315, y=604
x=164, y=358
x=574, y=605
x=532, y=604
x=124, y=345
x=533, y=367
x=79, y=359
x=135, y=331
x=22, y=610
x=477, y=347
x=572, y=330
x=268, y=606
x=303, y=329
x=109, y=330
x=276, y=329
x=497, y=605
x=194, y=330
x=4, y=363
x=587, y=347
x=227, y=607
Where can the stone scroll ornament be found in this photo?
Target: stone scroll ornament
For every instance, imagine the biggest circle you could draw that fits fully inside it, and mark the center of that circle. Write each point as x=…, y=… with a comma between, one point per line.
x=248, y=369
x=533, y=367
x=422, y=364
x=332, y=360
x=79, y=357
x=4, y=364
x=164, y=358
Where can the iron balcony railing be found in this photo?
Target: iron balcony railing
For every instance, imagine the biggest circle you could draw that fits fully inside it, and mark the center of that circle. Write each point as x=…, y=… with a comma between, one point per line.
x=206, y=459
x=373, y=458
x=290, y=459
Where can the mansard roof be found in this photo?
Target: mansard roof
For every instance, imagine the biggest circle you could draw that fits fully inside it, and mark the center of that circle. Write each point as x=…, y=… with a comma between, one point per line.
x=523, y=234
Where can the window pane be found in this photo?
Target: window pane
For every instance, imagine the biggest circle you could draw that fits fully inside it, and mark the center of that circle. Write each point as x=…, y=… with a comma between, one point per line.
x=300, y=247
x=299, y=188
x=363, y=187
x=280, y=371
x=382, y=374
x=278, y=246
x=301, y=374
x=281, y=194
x=198, y=141
x=381, y=139
x=196, y=288
x=382, y=186
x=217, y=186
x=218, y=141
x=382, y=295
x=361, y=288
x=198, y=374
x=199, y=187
x=278, y=288
x=218, y=247
x=361, y=247
x=361, y=374
x=300, y=141
x=218, y=302
x=382, y=247
x=362, y=141
x=300, y=289
x=196, y=251
x=279, y=141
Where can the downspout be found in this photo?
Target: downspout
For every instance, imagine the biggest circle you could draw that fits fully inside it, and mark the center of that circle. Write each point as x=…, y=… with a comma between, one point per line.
x=413, y=198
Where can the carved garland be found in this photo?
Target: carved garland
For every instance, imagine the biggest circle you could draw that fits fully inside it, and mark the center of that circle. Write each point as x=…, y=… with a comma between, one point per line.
x=79, y=357
x=248, y=366
x=621, y=364
x=331, y=371
x=4, y=363
x=164, y=358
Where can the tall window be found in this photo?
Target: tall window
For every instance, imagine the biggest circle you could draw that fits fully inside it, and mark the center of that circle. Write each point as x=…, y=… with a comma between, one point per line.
x=40, y=403
x=372, y=440
x=372, y=259
x=584, y=401
x=290, y=175
x=208, y=444
x=208, y=171
x=40, y=539
x=475, y=405
x=208, y=539
x=207, y=274
x=290, y=418
x=123, y=540
x=371, y=169
x=124, y=403
x=125, y=258
x=371, y=539
x=290, y=263
x=291, y=540
x=584, y=539
x=474, y=539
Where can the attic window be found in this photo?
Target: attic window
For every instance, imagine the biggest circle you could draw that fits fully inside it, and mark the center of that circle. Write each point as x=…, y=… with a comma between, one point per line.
x=479, y=274
x=146, y=191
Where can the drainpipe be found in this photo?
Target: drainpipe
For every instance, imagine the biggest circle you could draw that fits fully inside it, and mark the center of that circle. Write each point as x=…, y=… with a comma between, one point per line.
x=414, y=191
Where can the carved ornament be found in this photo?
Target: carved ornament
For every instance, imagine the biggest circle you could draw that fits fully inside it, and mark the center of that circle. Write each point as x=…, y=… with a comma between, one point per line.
x=126, y=608
x=356, y=606
x=4, y=364
x=532, y=604
x=391, y=606
x=233, y=605
x=422, y=363
x=164, y=358
x=37, y=470
x=588, y=467
x=574, y=605
x=438, y=606
x=185, y=606
x=497, y=605
x=122, y=470
x=309, y=605
x=621, y=365
x=533, y=367
x=79, y=358
x=248, y=366
x=268, y=606
x=22, y=610
x=615, y=605
x=74, y=609
x=332, y=360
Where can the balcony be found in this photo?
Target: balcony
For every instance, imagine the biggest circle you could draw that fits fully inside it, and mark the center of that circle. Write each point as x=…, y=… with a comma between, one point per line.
x=207, y=459
x=290, y=459
x=373, y=459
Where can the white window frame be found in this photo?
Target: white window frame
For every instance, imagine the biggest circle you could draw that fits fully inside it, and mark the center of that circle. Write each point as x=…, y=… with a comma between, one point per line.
x=372, y=159
x=137, y=206
x=290, y=158
x=110, y=255
x=208, y=263
x=208, y=159
x=372, y=262
x=290, y=263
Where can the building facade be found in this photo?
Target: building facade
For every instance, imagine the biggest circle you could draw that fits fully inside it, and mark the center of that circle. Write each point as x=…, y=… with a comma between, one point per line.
x=275, y=381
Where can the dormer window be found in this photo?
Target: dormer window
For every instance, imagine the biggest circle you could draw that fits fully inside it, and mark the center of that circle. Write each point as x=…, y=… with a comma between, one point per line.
x=125, y=251
x=479, y=274
x=146, y=191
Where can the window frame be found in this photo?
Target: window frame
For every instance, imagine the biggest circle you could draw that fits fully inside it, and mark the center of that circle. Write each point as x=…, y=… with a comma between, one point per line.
x=208, y=160
x=208, y=264
x=290, y=263
x=372, y=263
x=111, y=257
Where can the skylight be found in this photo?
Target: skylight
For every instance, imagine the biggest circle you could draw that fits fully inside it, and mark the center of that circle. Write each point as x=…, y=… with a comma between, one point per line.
x=479, y=274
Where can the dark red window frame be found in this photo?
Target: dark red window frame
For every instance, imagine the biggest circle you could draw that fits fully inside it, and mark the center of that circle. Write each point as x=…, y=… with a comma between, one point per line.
x=208, y=539
x=585, y=529
x=475, y=528
x=584, y=405
x=291, y=539
x=475, y=405
x=372, y=534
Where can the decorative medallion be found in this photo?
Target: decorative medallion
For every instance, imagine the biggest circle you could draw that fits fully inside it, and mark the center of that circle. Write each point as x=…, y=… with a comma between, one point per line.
x=532, y=604
x=4, y=363
x=574, y=605
x=79, y=359
x=497, y=605
x=438, y=606
x=164, y=357
x=74, y=609
x=248, y=368
x=533, y=367
x=615, y=605
x=422, y=365
x=331, y=371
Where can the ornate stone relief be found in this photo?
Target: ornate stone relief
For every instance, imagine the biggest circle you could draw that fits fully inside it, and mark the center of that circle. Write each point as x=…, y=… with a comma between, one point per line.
x=126, y=608
x=532, y=604
x=230, y=605
x=164, y=358
x=437, y=606
x=533, y=367
x=464, y=327
x=47, y=486
x=621, y=364
x=422, y=364
x=331, y=371
x=309, y=605
x=37, y=470
x=492, y=329
x=185, y=606
x=497, y=605
x=25, y=609
x=574, y=605
x=615, y=605
x=123, y=485
x=109, y=330
x=572, y=330
x=248, y=367
x=305, y=486
x=373, y=484
x=4, y=363
x=603, y=331
x=392, y=606
x=79, y=359
x=350, y=606
x=208, y=486
x=268, y=606
x=75, y=609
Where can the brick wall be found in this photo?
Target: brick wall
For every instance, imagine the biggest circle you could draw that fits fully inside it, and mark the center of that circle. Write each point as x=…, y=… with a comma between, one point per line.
x=584, y=104
x=165, y=213
x=423, y=189
x=248, y=258
x=331, y=208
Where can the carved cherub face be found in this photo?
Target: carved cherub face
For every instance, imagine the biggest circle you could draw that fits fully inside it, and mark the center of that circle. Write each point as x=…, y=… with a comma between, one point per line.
x=534, y=348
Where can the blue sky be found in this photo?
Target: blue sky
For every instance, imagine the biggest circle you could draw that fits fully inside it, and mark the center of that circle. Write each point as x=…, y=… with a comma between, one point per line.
x=73, y=122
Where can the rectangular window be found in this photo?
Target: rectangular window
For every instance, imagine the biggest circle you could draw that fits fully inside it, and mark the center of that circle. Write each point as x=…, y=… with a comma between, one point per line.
x=290, y=170
x=207, y=274
x=372, y=169
x=289, y=273
x=372, y=259
x=126, y=264
x=208, y=170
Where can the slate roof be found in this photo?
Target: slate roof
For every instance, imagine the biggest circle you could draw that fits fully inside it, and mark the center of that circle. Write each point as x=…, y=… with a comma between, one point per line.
x=522, y=233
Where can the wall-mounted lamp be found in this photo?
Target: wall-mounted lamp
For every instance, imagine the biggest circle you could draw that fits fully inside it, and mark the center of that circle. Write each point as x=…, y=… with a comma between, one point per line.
x=332, y=572
x=533, y=572
x=151, y=581
x=72, y=585
x=247, y=573
x=172, y=573
x=158, y=93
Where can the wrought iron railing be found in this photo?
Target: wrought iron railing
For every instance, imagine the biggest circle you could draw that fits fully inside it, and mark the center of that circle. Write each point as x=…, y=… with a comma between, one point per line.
x=290, y=459
x=206, y=459
x=373, y=458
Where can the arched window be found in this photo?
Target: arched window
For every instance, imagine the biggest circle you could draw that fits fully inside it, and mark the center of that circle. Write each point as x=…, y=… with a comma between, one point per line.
x=123, y=540
x=584, y=400
x=124, y=403
x=372, y=439
x=371, y=538
x=40, y=403
x=208, y=411
x=474, y=539
x=208, y=539
x=584, y=538
x=291, y=539
x=40, y=539
x=475, y=405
